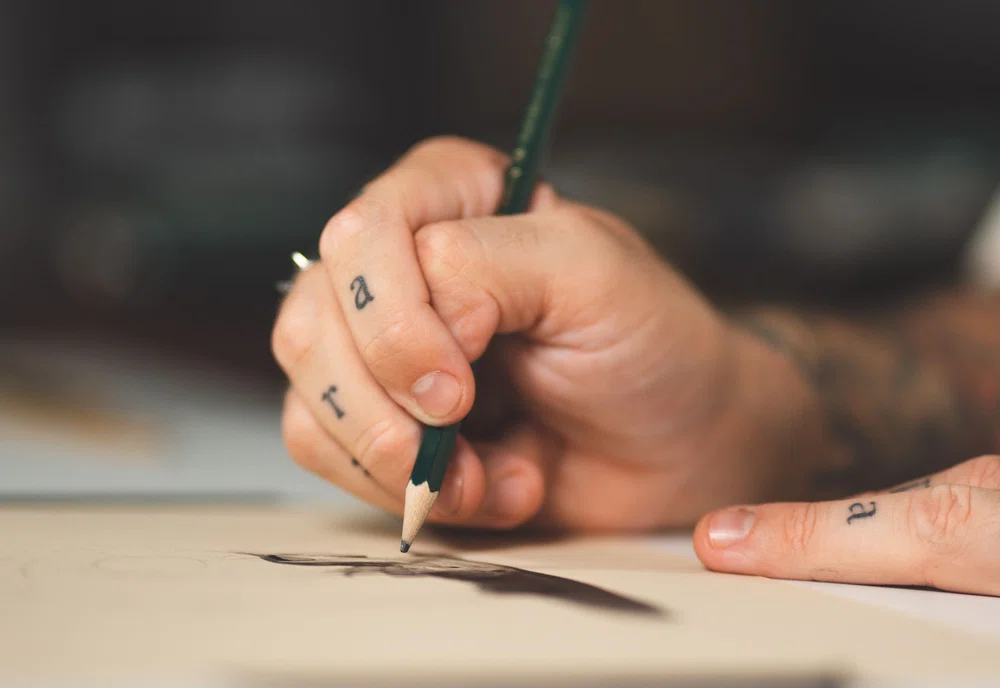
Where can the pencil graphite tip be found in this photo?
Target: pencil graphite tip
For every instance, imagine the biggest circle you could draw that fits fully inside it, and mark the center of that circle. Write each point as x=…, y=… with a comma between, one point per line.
x=418, y=502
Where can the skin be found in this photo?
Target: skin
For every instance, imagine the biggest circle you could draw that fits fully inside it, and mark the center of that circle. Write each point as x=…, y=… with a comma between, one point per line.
x=614, y=397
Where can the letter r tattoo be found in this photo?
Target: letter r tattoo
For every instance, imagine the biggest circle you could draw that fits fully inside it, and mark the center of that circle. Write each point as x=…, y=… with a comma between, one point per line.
x=328, y=398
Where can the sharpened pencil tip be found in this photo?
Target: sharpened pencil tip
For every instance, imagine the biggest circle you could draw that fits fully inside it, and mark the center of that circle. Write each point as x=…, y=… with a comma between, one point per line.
x=404, y=546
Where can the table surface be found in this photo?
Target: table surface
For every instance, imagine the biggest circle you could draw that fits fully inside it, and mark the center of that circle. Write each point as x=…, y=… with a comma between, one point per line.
x=226, y=442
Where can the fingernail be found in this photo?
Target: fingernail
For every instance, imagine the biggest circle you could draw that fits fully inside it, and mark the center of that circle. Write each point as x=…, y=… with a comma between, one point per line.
x=505, y=498
x=729, y=527
x=450, y=498
x=437, y=393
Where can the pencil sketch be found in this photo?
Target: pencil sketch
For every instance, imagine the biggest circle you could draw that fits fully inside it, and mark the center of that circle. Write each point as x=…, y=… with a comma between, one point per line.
x=489, y=578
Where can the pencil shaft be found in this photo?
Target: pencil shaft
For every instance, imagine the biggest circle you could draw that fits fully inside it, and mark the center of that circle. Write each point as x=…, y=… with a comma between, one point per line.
x=519, y=182
x=437, y=443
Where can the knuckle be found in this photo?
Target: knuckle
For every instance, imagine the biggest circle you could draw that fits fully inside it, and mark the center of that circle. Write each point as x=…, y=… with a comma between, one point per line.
x=450, y=263
x=441, y=252
x=382, y=443
x=339, y=228
x=546, y=197
x=483, y=160
x=433, y=144
x=294, y=336
x=574, y=217
x=985, y=472
x=800, y=528
x=448, y=144
x=302, y=437
x=394, y=340
x=941, y=515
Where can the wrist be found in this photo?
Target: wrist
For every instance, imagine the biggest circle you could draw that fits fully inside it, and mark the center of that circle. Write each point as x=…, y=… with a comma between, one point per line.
x=775, y=423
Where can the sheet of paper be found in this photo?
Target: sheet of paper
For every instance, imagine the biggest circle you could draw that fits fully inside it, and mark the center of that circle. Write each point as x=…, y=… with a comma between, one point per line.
x=268, y=596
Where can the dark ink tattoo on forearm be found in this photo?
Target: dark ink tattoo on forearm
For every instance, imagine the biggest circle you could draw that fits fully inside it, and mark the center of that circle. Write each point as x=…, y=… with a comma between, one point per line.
x=915, y=485
x=328, y=398
x=858, y=511
x=901, y=394
x=362, y=295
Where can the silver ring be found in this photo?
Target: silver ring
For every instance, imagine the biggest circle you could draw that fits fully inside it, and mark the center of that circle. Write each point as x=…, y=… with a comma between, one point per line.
x=302, y=263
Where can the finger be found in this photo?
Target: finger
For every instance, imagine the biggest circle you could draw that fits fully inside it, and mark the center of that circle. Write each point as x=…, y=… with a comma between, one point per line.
x=512, y=473
x=313, y=346
x=947, y=536
x=982, y=471
x=514, y=478
x=544, y=198
x=315, y=450
x=368, y=248
x=350, y=409
x=532, y=274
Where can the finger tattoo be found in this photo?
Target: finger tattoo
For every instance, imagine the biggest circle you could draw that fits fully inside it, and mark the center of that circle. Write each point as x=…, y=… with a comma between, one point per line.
x=858, y=511
x=357, y=464
x=362, y=295
x=328, y=398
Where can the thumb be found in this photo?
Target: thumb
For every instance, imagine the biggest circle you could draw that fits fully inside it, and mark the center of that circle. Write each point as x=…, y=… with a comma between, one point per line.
x=535, y=274
x=512, y=487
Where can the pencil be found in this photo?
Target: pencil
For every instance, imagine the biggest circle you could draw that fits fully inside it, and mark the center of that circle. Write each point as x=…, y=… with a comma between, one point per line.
x=438, y=443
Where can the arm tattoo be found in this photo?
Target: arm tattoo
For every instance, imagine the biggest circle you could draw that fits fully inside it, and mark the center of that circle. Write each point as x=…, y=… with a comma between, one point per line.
x=858, y=511
x=900, y=395
x=328, y=398
x=362, y=296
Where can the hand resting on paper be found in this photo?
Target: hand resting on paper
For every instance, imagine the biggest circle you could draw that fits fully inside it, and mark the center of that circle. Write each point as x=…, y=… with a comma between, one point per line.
x=611, y=396
x=941, y=531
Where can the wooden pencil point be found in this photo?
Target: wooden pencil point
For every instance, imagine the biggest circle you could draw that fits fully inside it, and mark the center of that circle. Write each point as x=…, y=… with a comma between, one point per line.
x=417, y=504
x=404, y=546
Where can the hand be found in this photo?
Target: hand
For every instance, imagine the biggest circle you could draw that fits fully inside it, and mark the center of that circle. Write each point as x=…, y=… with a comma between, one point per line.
x=630, y=403
x=942, y=532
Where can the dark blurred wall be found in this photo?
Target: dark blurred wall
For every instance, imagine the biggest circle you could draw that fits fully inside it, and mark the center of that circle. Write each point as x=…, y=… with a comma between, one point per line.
x=646, y=66
x=181, y=150
x=159, y=161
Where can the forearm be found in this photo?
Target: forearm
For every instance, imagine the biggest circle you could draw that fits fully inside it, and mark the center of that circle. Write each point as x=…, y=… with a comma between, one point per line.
x=898, y=395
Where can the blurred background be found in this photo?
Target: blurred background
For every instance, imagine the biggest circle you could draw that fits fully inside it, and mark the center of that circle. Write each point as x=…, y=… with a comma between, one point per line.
x=160, y=161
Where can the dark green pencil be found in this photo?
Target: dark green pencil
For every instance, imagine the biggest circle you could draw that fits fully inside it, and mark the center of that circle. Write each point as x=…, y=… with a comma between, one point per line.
x=519, y=183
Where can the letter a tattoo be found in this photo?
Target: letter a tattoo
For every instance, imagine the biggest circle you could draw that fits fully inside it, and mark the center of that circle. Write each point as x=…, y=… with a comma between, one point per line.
x=858, y=511
x=361, y=294
x=328, y=398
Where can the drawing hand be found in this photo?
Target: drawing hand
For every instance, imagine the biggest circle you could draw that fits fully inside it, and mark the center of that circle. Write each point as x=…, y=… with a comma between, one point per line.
x=942, y=532
x=639, y=405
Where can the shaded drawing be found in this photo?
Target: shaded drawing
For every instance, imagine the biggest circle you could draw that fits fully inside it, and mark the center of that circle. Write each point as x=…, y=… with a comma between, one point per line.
x=490, y=578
